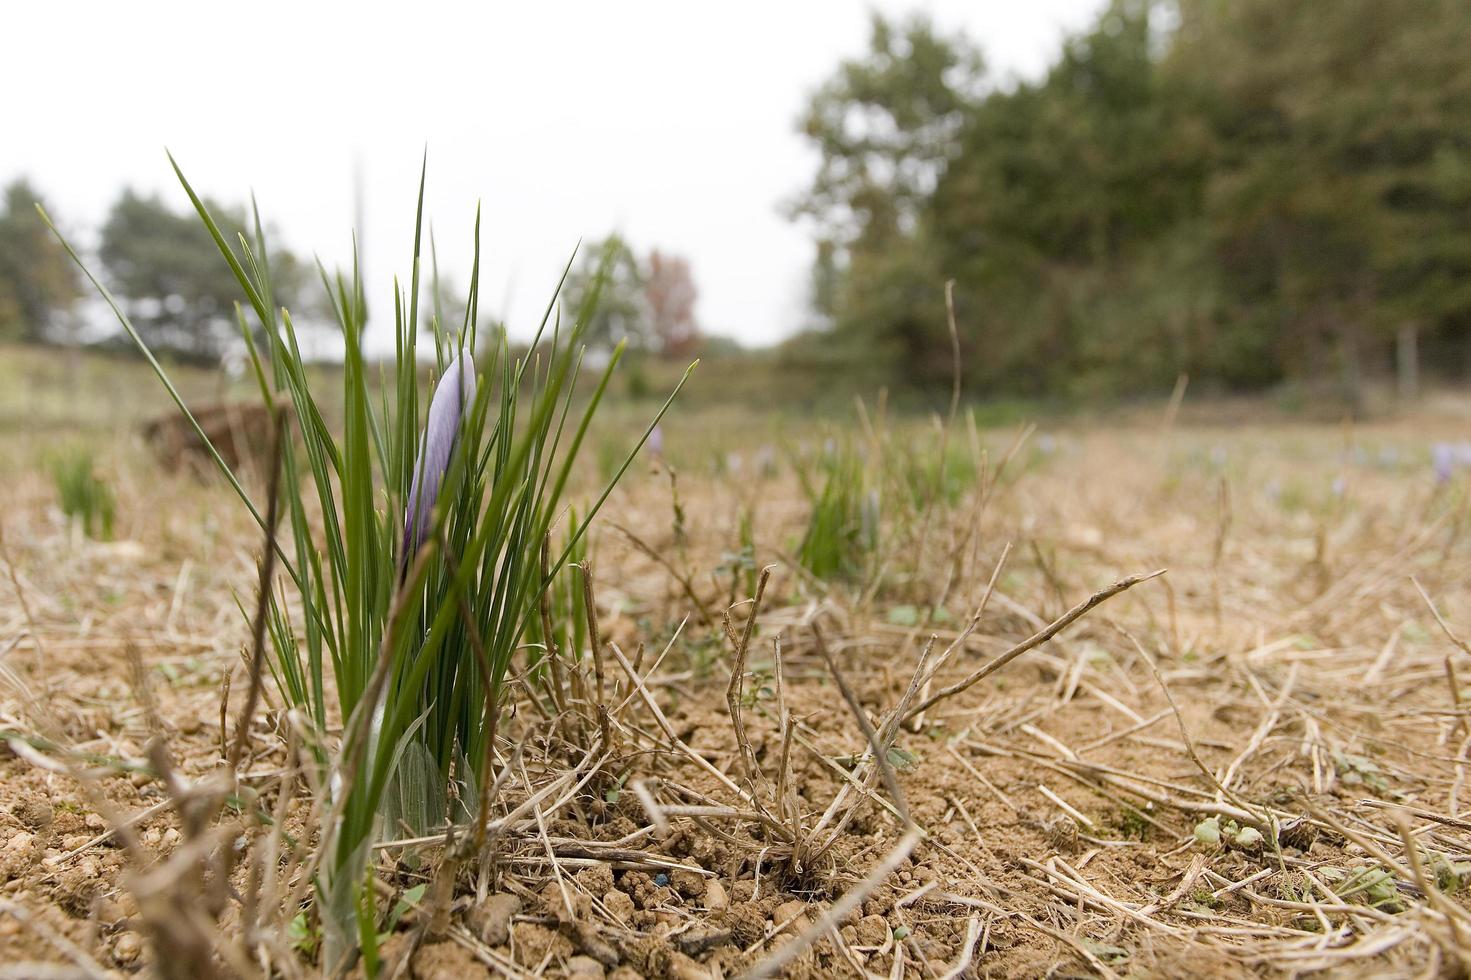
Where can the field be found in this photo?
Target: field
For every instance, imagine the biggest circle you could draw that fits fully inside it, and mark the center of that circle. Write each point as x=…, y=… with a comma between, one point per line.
x=925, y=760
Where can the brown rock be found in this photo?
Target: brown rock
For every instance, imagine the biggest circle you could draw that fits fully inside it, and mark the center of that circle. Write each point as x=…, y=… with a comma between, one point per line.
x=127, y=948
x=690, y=884
x=585, y=966
x=792, y=915
x=35, y=812
x=596, y=880
x=491, y=919
x=75, y=891
x=554, y=902
x=19, y=842
x=17, y=854
x=716, y=899
x=747, y=923
x=618, y=904
x=872, y=930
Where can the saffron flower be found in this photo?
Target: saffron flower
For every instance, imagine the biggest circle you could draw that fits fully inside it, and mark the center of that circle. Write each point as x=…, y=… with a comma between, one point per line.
x=1448, y=457
x=452, y=399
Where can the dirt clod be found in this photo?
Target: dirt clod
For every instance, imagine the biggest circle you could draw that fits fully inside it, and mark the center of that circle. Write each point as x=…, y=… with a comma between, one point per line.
x=535, y=944
x=491, y=919
x=447, y=961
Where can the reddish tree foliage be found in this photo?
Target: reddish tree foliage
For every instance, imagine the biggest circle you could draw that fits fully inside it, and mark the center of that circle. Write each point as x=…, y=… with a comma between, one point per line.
x=669, y=289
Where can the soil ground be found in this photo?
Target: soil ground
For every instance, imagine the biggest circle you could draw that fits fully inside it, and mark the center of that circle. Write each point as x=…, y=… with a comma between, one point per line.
x=1252, y=765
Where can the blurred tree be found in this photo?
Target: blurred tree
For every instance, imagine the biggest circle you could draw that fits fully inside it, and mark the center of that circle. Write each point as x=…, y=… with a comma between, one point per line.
x=609, y=272
x=669, y=296
x=1247, y=191
x=884, y=125
x=1341, y=194
x=1059, y=190
x=178, y=290
x=38, y=280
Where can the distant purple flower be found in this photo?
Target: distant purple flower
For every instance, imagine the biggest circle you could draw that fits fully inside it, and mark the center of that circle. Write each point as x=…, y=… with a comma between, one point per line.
x=452, y=398
x=656, y=442
x=1448, y=457
x=1443, y=461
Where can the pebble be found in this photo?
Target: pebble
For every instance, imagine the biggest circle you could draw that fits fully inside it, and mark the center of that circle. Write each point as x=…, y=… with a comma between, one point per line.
x=491, y=919
x=128, y=948
x=795, y=911
x=35, y=813
x=619, y=905
x=689, y=884
x=716, y=900
x=585, y=966
x=872, y=930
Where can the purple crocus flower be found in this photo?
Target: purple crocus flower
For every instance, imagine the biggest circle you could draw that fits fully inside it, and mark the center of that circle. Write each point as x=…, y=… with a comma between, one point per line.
x=1443, y=461
x=453, y=397
x=656, y=443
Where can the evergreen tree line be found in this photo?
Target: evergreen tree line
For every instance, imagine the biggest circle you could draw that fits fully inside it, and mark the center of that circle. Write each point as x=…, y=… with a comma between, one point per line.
x=1249, y=192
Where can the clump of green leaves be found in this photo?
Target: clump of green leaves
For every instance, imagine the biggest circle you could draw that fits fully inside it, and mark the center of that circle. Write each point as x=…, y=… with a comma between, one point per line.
x=1360, y=770
x=1450, y=876
x=1213, y=832
x=843, y=525
x=740, y=564
x=84, y=498
x=1367, y=883
x=408, y=625
x=932, y=471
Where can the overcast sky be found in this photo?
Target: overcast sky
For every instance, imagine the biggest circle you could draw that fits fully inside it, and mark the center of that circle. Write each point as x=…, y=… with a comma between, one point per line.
x=672, y=122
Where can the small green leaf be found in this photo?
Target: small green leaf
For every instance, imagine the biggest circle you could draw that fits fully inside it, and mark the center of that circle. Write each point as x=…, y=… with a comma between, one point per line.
x=1208, y=832
x=407, y=901
x=904, y=616
x=900, y=758
x=1248, y=838
x=301, y=935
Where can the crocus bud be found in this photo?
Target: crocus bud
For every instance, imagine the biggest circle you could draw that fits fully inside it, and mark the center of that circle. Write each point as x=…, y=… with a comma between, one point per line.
x=1443, y=460
x=452, y=399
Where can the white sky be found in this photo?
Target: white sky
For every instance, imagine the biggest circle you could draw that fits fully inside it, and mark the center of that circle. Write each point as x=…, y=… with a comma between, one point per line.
x=673, y=122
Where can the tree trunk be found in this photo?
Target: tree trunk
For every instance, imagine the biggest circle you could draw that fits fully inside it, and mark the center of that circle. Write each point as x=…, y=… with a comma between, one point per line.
x=1407, y=362
x=1350, y=375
